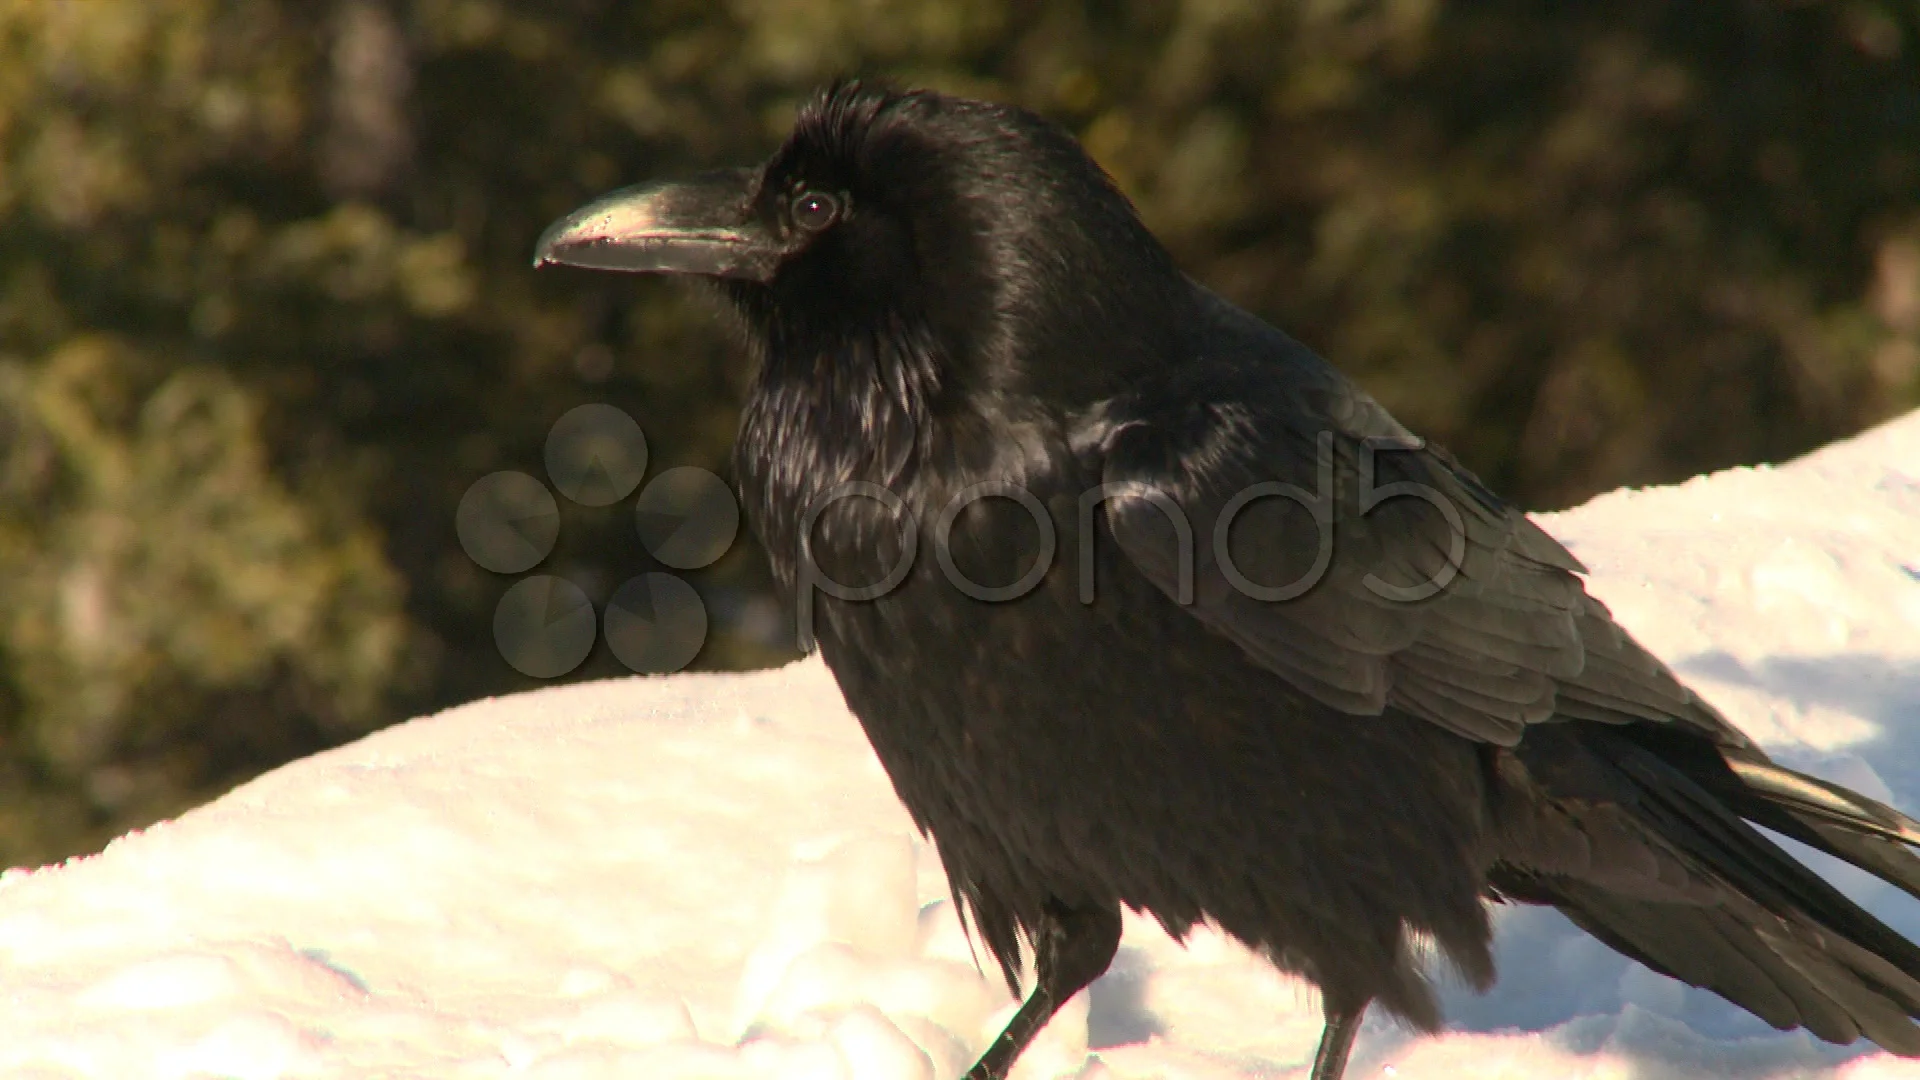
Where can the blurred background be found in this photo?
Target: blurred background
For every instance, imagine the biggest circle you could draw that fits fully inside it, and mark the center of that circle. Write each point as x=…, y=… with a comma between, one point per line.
x=266, y=310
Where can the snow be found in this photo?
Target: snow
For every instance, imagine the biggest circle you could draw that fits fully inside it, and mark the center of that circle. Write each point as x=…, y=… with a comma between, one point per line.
x=708, y=875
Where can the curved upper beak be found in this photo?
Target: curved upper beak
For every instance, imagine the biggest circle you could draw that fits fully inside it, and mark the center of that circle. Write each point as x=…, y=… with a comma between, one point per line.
x=704, y=226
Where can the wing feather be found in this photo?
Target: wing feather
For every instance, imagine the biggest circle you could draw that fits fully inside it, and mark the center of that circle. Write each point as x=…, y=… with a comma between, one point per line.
x=1369, y=570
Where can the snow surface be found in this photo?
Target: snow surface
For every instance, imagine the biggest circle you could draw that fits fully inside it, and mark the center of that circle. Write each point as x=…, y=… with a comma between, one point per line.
x=708, y=875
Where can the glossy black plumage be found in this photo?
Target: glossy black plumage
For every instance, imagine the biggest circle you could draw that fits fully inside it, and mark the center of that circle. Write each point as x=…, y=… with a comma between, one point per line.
x=1331, y=776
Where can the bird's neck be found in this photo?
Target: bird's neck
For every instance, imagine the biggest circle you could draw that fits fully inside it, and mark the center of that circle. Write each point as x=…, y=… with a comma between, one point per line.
x=828, y=412
x=889, y=401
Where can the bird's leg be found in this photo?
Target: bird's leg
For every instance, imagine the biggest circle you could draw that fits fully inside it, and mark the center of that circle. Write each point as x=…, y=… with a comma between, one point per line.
x=1336, y=1039
x=1071, y=950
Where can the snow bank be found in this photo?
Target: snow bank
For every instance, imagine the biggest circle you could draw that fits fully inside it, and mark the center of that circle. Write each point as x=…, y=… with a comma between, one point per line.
x=708, y=876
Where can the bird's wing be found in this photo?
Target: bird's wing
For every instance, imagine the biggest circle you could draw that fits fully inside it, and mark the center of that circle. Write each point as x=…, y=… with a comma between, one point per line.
x=1367, y=569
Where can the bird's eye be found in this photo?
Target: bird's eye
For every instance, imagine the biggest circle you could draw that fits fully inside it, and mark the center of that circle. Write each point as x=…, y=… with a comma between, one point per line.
x=815, y=210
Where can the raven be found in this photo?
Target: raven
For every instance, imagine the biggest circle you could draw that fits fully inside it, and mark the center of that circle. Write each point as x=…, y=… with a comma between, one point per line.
x=1206, y=632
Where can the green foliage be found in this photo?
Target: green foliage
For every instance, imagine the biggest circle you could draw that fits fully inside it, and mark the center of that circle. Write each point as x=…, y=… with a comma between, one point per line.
x=162, y=585
x=265, y=309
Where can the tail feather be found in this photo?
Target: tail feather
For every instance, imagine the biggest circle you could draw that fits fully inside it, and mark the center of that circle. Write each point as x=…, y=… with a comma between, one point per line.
x=1709, y=828
x=1879, y=1000
x=1845, y=824
x=1691, y=945
x=1822, y=801
x=1756, y=926
x=1785, y=971
x=1889, y=860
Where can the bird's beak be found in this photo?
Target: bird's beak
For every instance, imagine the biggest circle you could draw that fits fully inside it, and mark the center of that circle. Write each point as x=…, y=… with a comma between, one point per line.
x=704, y=226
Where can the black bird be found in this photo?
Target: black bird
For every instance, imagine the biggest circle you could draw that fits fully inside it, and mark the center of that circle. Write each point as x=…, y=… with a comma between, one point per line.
x=1141, y=602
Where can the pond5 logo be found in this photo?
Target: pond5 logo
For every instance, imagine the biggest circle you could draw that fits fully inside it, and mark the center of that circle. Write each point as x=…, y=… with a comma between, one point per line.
x=545, y=625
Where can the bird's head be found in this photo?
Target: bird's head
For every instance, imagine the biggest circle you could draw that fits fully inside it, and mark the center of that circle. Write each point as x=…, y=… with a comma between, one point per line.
x=981, y=230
